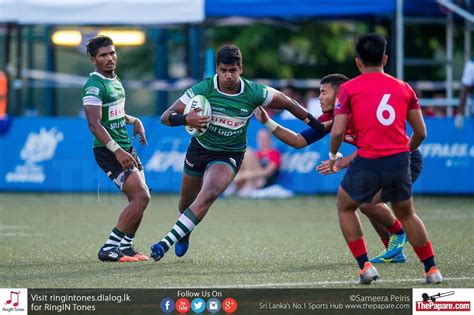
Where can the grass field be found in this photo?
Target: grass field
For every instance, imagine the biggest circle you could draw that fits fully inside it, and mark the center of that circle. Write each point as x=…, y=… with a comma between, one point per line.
x=51, y=241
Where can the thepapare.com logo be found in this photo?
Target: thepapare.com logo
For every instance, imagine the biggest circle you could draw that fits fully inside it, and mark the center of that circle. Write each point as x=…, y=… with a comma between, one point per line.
x=442, y=300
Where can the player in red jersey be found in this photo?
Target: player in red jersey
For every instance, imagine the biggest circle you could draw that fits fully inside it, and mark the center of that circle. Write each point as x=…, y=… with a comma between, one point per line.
x=379, y=106
x=384, y=221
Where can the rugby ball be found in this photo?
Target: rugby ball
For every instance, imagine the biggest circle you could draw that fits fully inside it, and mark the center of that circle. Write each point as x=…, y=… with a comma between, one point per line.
x=202, y=103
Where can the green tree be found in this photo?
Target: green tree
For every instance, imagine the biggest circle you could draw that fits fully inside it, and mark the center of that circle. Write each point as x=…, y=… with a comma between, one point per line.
x=309, y=49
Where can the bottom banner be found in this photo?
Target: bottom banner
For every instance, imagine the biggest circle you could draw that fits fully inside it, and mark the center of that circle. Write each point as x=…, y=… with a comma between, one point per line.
x=236, y=301
x=205, y=301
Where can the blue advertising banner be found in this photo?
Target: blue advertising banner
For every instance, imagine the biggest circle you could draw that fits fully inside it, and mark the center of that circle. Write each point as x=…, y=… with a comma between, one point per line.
x=55, y=154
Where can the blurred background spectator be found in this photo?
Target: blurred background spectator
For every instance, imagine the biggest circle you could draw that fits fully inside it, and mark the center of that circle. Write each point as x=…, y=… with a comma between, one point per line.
x=467, y=82
x=258, y=175
x=438, y=109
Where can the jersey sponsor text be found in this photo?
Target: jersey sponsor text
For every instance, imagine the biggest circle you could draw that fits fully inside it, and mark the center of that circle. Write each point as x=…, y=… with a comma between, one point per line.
x=228, y=122
x=116, y=111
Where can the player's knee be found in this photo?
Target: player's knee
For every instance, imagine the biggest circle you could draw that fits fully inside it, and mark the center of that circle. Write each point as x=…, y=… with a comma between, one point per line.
x=404, y=211
x=142, y=198
x=341, y=205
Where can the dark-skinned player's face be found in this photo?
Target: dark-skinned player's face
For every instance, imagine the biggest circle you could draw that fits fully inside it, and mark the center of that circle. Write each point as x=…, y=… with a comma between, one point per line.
x=229, y=75
x=106, y=59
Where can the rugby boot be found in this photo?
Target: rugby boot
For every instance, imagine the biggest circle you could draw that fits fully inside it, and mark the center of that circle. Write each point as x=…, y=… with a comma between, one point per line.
x=368, y=274
x=114, y=254
x=400, y=258
x=182, y=246
x=433, y=276
x=157, y=251
x=395, y=246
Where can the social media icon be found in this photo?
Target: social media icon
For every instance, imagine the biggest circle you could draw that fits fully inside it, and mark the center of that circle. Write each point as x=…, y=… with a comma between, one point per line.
x=213, y=305
x=167, y=305
x=198, y=305
x=229, y=305
x=182, y=305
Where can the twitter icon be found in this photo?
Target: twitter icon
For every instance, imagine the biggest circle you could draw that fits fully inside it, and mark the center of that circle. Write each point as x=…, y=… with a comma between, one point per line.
x=198, y=305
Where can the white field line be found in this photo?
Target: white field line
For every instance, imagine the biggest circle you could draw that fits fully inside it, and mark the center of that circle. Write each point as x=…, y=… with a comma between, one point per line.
x=19, y=234
x=16, y=231
x=12, y=227
x=313, y=284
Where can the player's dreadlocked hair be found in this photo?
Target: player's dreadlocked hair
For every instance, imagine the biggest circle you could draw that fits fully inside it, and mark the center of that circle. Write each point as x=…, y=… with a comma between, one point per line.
x=97, y=42
x=229, y=55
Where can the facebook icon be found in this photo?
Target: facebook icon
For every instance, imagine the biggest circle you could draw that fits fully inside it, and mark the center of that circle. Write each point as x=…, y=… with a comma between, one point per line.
x=167, y=305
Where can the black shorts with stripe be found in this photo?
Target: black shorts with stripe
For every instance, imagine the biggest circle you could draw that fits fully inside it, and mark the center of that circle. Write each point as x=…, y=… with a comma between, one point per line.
x=111, y=166
x=198, y=159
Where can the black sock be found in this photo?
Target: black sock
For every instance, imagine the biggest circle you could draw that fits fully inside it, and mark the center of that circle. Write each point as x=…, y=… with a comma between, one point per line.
x=400, y=232
x=361, y=260
x=430, y=262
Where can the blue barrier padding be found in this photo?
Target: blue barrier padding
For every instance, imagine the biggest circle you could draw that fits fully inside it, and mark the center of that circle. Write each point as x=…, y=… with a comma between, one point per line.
x=5, y=123
x=55, y=154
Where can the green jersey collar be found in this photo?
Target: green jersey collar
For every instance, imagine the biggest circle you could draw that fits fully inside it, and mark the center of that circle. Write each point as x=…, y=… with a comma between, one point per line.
x=101, y=76
x=216, y=86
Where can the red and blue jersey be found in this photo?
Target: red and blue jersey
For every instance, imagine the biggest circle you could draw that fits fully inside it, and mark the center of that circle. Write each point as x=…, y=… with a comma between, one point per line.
x=378, y=105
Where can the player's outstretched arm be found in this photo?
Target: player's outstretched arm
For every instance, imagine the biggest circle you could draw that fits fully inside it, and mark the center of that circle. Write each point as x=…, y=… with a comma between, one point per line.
x=283, y=134
x=415, y=119
x=174, y=116
x=94, y=118
x=281, y=101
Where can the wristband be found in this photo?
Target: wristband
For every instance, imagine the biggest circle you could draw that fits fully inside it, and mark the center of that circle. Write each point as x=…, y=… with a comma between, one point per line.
x=271, y=125
x=176, y=119
x=336, y=156
x=131, y=120
x=313, y=123
x=112, y=146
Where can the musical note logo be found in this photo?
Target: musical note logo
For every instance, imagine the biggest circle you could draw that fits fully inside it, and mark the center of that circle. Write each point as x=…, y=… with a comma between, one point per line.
x=15, y=304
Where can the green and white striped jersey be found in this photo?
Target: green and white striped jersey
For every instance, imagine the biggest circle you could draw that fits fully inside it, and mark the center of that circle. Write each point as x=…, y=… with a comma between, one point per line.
x=230, y=112
x=110, y=95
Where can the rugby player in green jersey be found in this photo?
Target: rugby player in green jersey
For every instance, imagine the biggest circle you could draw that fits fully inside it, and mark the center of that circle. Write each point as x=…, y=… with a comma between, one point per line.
x=214, y=158
x=103, y=97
